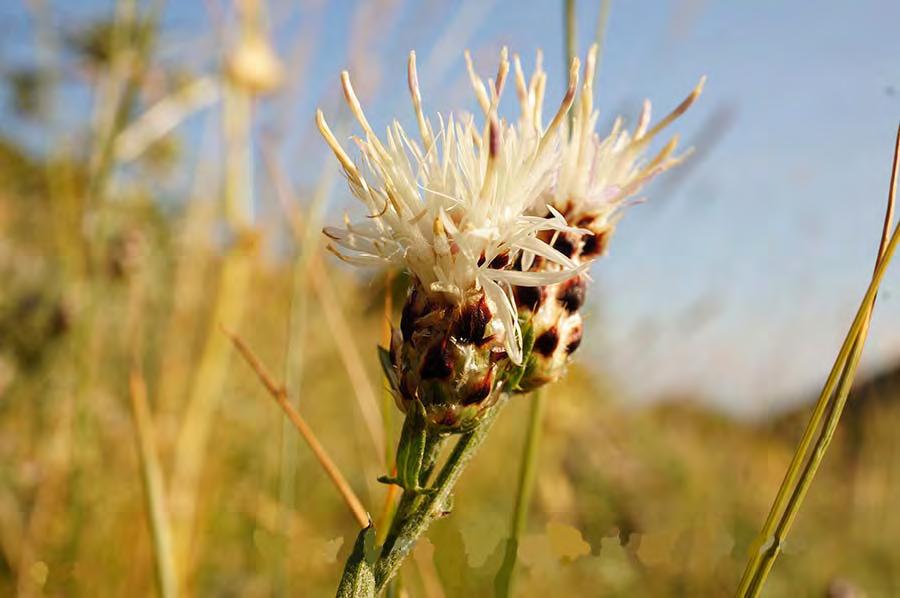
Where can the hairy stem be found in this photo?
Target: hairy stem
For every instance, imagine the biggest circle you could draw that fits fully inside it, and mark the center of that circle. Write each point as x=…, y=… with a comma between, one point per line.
x=432, y=506
x=433, y=444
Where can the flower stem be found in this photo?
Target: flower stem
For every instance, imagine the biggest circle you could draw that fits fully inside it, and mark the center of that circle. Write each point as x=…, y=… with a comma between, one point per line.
x=409, y=525
x=570, y=35
x=600, y=35
x=503, y=584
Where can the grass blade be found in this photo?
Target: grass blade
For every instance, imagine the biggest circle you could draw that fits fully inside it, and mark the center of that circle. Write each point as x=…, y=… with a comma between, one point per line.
x=154, y=488
x=793, y=490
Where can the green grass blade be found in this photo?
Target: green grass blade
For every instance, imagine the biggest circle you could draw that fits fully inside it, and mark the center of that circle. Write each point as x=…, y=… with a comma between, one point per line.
x=792, y=491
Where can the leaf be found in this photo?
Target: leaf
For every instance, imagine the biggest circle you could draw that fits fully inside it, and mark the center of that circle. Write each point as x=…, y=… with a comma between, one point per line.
x=410, y=451
x=358, y=580
x=503, y=580
x=516, y=373
x=387, y=366
x=416, y=449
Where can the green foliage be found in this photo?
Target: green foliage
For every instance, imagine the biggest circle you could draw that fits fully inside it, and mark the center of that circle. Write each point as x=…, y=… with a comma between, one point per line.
x=410, y=450
x=513, y=374
x=358, y=580
x=387, y=368
x=98, y=41
x=29, y=92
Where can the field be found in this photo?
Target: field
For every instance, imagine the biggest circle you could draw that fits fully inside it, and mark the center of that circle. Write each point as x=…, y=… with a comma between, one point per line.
x=138, y=449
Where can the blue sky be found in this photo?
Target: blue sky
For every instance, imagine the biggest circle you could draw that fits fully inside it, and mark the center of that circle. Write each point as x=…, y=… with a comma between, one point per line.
x=740, y=275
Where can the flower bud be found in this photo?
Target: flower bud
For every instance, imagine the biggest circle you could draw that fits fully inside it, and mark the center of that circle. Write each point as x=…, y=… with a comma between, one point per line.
x=551, y=314
x=446, y=355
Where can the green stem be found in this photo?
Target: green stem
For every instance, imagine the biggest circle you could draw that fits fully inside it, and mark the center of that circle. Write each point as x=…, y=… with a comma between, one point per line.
x=434, y=441
x=408, y=529
x=570, y=36
x=600, y=36
x=809, y=472
x=503, y=584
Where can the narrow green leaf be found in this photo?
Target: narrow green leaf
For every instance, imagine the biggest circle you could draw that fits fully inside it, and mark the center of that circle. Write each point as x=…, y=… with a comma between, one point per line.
x=403, y=449
x=358, y=580
x=410, y=450
x=416, y=448
x=387, y=366
x=516, y=373
x=504, y=579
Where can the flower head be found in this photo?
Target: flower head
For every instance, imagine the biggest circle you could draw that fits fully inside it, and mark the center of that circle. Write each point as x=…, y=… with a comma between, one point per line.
x=453, y=206
x=597, y=176
x=600, y=175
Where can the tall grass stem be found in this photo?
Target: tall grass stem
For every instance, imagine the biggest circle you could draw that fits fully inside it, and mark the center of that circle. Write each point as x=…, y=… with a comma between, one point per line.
x=570, y=35
x=504, y=584
x=154, y=488
x=278, y=393
x=600, y=34
x=793, y=490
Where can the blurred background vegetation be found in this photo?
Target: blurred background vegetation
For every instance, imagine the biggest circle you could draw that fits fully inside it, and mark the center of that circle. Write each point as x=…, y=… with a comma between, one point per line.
x=129, y=427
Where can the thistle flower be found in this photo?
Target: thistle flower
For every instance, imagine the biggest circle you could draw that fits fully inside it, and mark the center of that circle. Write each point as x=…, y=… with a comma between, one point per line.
x=453, y=208
x=597, y=177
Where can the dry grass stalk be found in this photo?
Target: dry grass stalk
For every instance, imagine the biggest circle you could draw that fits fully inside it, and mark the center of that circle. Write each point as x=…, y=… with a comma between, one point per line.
x=230, y=300
x=158, y=518
x=307, y=233
x=278, y=393
x=154, y=487
x=350, y=357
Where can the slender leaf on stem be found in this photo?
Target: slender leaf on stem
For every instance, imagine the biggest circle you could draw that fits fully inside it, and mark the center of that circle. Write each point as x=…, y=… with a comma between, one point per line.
x=410, y=450
x=358, y=580
x=387, y=403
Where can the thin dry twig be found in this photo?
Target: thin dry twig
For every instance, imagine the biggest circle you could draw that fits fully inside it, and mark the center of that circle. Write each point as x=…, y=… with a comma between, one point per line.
x=349, y=354
x=321, y=284
x=280, y=395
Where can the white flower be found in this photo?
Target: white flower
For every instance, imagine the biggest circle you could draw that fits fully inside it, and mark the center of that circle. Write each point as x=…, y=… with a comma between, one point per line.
x=597, y=176
x=453, y=207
